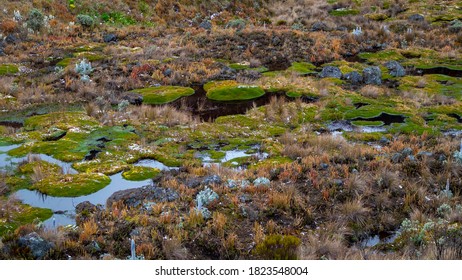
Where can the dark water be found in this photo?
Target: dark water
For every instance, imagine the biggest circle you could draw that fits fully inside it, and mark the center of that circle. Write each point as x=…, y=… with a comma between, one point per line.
x=208, y=110
x=387, y=119
x=64, y=207
x=436, y=70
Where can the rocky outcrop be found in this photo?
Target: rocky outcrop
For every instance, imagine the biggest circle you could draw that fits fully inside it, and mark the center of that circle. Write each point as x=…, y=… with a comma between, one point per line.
x=331, y=72
x=135, y=197
x=372, y=75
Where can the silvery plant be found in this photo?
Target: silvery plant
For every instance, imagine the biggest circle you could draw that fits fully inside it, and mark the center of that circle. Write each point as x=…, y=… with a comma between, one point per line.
x=83, y=68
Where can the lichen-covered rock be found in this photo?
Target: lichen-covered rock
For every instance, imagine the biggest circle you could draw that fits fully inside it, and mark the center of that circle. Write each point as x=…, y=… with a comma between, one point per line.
x=212, y=180
x=206, y=24
x=331, y=72
x=372, y=75
x=135, y=197
x=396, y=70
x=38, y=246
x=205, y=197
x=353, y=77
x=261, y=181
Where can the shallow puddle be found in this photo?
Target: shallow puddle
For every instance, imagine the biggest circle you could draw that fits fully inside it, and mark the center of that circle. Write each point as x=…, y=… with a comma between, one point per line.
x=64, y=207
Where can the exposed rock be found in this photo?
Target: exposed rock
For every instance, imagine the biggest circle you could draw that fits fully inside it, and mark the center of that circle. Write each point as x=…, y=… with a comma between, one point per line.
x=107, y=38
x=396, y=70
x=320, y=26
x=397, y=158
x=38, y=246
x=372, y=75
x=212, y=180
x=85, y=206
x=331, y=71
x=416, y=18
x=193, y=182
x=353, y=77
x=11, y=39
x=407, y=151
x=261, y=181
x=167, y=72
x=91, y=155
x=135, y=197
x=206, y=24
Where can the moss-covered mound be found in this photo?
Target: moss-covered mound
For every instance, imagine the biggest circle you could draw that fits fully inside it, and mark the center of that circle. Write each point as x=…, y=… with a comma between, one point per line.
x=140, y=173
x=6, y=69
x=163, y=94
x=72, y=185
x=232, y=91
x=23, y=215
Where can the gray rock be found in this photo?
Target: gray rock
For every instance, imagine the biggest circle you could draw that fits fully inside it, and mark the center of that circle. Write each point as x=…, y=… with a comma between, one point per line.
x=11, y=39
x=424, y=154
x=353, y=77
x=107, y=38
x=331, y=71
x=206, y=24
x=397, y=157
x=384, y=140
x=38, y=246
x=320, y=26
x=396, y=70
x=135, y=197
x=338, y=182
x=372, y=75
x=85, y=206
x=416, y=18
x=167, y=72
x=407, y=151
x=261, y=181
x=324, y=166
x=212, y=180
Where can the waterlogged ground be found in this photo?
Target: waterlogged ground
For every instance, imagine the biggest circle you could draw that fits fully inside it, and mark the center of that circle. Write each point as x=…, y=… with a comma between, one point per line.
x=234, y=138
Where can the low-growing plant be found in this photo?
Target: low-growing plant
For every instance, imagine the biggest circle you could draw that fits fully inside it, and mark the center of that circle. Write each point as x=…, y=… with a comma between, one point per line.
x=35, y=21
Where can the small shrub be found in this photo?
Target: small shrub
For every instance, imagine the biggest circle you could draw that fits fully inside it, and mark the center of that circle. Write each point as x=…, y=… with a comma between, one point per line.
x=8, y=26
x=278, y=247
x=35, y=21
x=238, y=24
x=86, y=21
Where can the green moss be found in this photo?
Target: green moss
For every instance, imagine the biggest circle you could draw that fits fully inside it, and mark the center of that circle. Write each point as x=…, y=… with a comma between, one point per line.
x=363, y=137
x=344, y=12
x=45, y=167
x=163, y=94
x=302, y=68
x=140, y=173
x=433, y=84
x=60, y=120
x=216, y=155
x=382, y=56
x=6, y=69
x=239, y=66
x=231, y=90
x=72, y=185
x=278, y=247
x=367, y=123
x=65, y=62
x=23, y=216
x=108, y=167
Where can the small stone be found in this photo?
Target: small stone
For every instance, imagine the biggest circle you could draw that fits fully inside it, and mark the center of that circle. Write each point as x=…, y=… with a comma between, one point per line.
x=212, y=180
x=407, y=151
x=353, y=77
x=168, y=72
x=396, y=70
x=206, y=24
x=320, y=26
x=36, y=244
x=261, y=181
x=107, y=38
x=331, y=72
x=372, y=75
